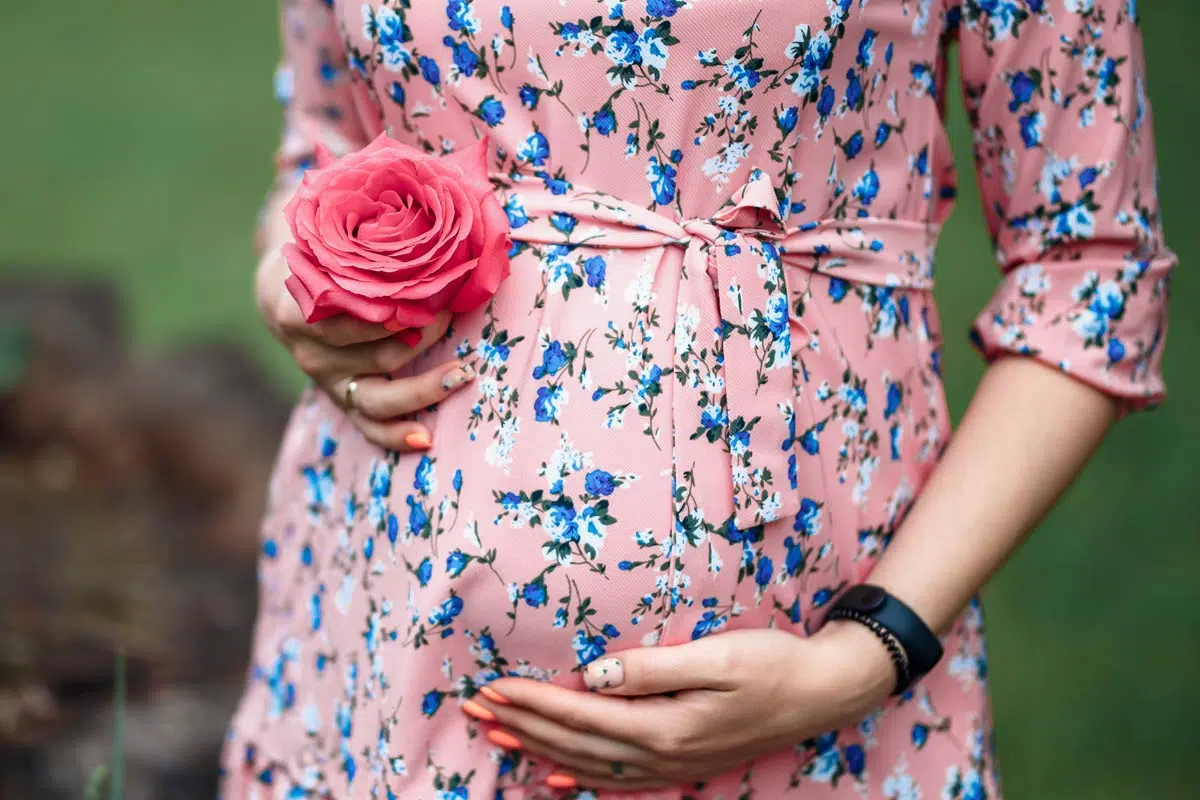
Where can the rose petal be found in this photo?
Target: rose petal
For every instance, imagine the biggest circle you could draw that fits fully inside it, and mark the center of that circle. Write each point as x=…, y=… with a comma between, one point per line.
x=472, y=161
x=392, y=234
x=492, y=266
x=411, y=314
x=319, y=298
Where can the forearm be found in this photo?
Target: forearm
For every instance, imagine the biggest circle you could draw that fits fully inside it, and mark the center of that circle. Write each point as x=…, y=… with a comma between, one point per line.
x=1025, y=437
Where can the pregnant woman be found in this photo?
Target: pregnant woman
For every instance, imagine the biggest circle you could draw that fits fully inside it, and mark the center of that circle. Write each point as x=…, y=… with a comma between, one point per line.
x=678, y=513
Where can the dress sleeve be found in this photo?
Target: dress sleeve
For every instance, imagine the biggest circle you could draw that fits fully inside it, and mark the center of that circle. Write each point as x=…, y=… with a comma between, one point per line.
x=314, y=86
x=1064, y=149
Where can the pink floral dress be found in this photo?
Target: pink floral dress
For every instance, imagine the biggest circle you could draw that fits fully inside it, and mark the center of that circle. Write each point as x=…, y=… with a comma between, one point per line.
x=712, y=387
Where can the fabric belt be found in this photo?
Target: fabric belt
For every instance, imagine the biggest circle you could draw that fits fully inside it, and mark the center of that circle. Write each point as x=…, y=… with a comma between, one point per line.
x=743, y=252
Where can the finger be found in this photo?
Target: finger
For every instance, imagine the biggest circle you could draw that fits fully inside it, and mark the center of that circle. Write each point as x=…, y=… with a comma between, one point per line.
x=388, y=356
x=381, y=399
x=620, y=777
x=324, y=362
x=639, y=722
x=336, y=331
x=581, y=758
x=578, y=748
x=342, y=331
x=403, y=435
x=701, y=664
x=569, y=754
x=567, y=779
x=345, y=331
x=430, y=335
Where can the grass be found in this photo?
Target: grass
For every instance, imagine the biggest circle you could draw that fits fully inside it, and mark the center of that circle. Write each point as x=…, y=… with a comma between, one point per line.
x=108, y=779
x=136, y=140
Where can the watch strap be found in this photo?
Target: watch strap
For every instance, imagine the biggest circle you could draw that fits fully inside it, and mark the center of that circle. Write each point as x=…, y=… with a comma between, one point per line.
x=897, y=626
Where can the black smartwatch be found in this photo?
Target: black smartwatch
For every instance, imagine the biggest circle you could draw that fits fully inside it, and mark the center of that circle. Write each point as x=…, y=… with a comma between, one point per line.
x=914, y=648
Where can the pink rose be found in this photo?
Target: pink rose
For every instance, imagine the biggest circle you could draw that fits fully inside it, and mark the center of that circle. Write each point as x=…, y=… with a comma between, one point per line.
x=392, y=235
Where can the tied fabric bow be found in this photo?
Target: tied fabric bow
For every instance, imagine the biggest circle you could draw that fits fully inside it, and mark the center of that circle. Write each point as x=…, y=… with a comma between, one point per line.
x=742, y=253
x=741, y=258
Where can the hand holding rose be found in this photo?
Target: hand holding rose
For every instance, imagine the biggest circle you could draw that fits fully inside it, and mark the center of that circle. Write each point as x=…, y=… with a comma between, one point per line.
x=386, y=243
x=340, y=349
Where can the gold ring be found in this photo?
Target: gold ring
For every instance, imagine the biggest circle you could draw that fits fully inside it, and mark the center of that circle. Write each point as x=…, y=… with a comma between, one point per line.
x=351, y=390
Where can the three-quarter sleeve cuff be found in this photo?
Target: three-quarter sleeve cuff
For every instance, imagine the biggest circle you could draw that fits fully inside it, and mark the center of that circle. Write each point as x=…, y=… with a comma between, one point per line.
x=1101, y=323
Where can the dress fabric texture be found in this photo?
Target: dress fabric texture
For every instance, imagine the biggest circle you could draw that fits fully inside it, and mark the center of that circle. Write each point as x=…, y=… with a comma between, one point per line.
x=711, y=387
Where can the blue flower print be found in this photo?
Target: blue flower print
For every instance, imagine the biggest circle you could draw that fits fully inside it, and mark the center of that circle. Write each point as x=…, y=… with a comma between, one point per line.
x=535, y=149
x=786, y=119
x=534, y=593
x=456, y=562
x=429, y=70
x=867, y=187
x=818, y=55
x=662, y=181
x=853, y=145
x=600, y=483
x=662, y=8
x=554, y=358
x=528, y=96
x=548, y=404
x=424, y=571
x=604, y=122
x=622, y=47
x=595, y=269
x=431, y=703
x=460, y=17
x=423, y=477
x=588, y=648
x=446, y=612
x=466, y=61
x=491, y=111
x=386, y=27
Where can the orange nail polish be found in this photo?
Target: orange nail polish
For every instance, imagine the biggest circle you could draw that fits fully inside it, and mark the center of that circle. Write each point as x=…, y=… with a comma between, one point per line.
x=477, y=711
x=557, y=781
x=505, y=740
x=494, y=696
x=419, y=440
x=410, y=337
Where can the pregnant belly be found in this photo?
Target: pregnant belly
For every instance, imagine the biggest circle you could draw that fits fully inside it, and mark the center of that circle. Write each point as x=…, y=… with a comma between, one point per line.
x=578, y=495
x=562, y=512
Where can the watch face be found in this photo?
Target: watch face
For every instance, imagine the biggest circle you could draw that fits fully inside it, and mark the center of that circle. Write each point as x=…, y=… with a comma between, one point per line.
x=867, y=599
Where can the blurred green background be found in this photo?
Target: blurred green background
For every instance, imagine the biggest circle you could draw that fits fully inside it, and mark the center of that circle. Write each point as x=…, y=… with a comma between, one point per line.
x=136, y=139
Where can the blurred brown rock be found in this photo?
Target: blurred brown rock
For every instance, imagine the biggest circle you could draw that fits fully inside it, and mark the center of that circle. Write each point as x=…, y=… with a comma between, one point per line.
x=130, y=497
x=210, y=420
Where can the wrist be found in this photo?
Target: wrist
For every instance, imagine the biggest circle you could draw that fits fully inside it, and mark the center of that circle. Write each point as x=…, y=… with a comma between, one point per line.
x=863, y=671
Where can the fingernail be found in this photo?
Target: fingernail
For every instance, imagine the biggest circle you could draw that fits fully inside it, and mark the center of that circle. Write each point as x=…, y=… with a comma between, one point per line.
x=478, y=712
x=409, y=337
x=494, y=696
x=557, y=781
x=419, y=440
x=607, y=673
x=457, y=377
x=505, y=740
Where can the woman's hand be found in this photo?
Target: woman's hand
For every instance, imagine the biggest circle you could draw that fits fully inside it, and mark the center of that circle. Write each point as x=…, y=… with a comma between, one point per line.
x=686, y=713
x=337, y=351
